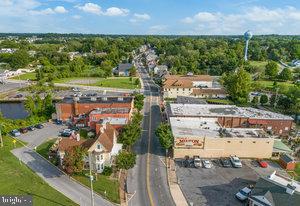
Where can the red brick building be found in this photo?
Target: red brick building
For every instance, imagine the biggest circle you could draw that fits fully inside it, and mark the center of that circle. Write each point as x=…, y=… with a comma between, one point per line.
x=82, y=110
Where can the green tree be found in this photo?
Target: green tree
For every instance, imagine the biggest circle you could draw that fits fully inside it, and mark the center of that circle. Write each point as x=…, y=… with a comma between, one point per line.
x=19, y=59
x=273, y=100
x=272, y=69
x=48, y=106
x=285, y=75
x=137, y=81
x=29, y=105
x=165, y=135
x=238, y=85
x=132, y=71
x=125, y=160
x=73, y=160
x=139, y=101
x=255, y=100
x=264, y=99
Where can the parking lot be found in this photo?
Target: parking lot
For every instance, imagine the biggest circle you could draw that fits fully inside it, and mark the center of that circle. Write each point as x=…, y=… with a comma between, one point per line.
x=218, y=185
x=38, y=136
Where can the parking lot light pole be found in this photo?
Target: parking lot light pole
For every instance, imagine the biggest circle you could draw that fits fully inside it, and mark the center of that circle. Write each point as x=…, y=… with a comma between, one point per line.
x=91, y=179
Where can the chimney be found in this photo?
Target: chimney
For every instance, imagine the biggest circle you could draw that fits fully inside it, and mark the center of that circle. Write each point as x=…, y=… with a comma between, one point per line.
x=290, y=188
x=76, y=99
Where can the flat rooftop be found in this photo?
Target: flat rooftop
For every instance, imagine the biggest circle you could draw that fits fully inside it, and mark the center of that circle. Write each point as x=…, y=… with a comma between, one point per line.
x=104, y=100
x=110, y=111
x=215, y=110
x=114, y=121
x=209, y=127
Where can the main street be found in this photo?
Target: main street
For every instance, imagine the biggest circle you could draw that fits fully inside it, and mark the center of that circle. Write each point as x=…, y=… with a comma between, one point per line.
x=147, y=181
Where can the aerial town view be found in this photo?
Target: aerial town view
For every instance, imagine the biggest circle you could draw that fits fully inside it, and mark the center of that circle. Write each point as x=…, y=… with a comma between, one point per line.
x=149, y=103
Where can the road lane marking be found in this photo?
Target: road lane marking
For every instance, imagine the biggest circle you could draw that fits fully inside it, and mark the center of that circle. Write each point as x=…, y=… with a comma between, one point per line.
x=148, y=155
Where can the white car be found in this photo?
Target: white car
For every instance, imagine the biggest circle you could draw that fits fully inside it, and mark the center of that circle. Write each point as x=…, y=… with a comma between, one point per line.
x=243, y=194
x=207, y=164
x=197, y=161
x=236, y=162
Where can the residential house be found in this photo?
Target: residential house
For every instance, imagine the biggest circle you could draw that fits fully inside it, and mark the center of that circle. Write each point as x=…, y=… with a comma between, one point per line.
x=275, y=190
x=201, y=86
x=100, y=150
x=123, y=69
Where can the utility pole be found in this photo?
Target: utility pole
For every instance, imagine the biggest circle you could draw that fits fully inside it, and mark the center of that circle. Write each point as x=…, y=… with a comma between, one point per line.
x=91, y=180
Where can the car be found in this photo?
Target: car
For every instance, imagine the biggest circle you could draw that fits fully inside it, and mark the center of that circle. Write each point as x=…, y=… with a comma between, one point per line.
x=58, y=122
x=75, y=89
x=31, y=128
x=243, y=194
x=225, y=162
x=262, y=163
x=15, y=133
x=207, y=164
x=24, y=130
x=19, y=96
x=66, y=132
x=235, y=161
x=39, y=126
x=197, y=162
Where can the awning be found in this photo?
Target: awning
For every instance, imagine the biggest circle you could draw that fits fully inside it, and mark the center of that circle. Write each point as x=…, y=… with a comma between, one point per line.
x=280, y=147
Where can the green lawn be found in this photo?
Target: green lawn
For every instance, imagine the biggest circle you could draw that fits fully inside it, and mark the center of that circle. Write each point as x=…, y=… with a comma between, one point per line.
x=112, y=82
x=259, y=64
x=102, y=184
x=268, y=85
x=44, y=148
x=17, y=179
x=26, y=76
x=219, y=101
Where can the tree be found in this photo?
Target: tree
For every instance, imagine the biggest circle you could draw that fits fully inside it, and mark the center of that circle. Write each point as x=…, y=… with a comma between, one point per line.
x=272, y=69
x=264, y=99
x=132, y=71
x=137, y=81
x=73, y=160
x=139, y=101
x=285, y=75
x=255, y=100
x=238, y=85
x=165, y=136
x=48, y=106
x=19, y=59
x=29, y=105
x=273, y=100
x=125, y=160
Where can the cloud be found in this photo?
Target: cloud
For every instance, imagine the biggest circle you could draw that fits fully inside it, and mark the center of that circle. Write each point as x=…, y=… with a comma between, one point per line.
x=259, y=19
x=60, y=10
x=140, y=17
x=96, y=9
x=90, y=8
x=76, y=17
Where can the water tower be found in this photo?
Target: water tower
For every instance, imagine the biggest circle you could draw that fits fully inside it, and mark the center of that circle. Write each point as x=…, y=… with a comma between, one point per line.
x=248, y=35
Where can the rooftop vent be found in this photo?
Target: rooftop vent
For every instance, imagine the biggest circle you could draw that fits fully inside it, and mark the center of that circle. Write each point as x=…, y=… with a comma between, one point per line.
x=290, y=189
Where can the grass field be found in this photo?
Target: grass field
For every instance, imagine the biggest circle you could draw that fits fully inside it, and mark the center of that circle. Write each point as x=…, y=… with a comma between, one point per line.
x=259, y=64
x=17, y=179
x=112, y=82
x=44, y=148
x=30, y=75
x=219, y=101
x=268, y=85
x=102, y=184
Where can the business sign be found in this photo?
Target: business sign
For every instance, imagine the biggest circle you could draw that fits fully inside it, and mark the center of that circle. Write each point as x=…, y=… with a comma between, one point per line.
x=188, y=142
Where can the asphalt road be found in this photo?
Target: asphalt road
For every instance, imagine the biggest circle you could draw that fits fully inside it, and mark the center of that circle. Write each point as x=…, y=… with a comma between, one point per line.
x=147, y=181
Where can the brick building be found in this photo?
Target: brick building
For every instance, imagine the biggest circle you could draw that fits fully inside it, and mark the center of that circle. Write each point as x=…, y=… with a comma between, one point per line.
x=230, y=116
x=81, y=110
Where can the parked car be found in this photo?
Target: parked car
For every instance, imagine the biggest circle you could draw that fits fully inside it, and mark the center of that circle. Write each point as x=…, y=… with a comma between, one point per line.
x=75, y=89
x=197, y=162
x=24, y=130
x=235, y=161
x=39, y=126
x=225, y=162
x=243, y=194
x=187, y=161
x=19, y=96
x=58, y=122
x=31, y=128
x=15, y=133
x=207, y=164
x=262, y=163
x=66, y=132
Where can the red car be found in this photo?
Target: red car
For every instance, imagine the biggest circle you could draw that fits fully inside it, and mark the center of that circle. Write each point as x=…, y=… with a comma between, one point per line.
x=262, y=163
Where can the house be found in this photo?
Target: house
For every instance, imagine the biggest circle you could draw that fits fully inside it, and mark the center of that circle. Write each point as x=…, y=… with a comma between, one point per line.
x=100, y=150
x=275, y=190
x=123, y=69
x=201, y=86
x=287, y=162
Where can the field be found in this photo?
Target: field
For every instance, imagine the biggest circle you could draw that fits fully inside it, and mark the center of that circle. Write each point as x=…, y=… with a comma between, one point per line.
x=30, y=75
x=112, y=82
x=259, y=64
x=17, y=179
x=219, y=101
x=101, y=185
x=268, y=85
x=44, y=148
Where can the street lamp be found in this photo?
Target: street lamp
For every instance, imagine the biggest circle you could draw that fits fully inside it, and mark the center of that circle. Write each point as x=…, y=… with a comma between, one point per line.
x=91, y=179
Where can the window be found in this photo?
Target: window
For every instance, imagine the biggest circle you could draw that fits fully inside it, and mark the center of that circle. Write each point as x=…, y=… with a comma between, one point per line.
x=97, y=158
x=253, y=142
x=241, y=141
x=269, y=127
x=101, y=157
x=228, y=141
x=99, y=146
x=286, y=128
x=98, y=166
x=94, y=118
x=177, y=89
x=102, y=166
x=183, y=89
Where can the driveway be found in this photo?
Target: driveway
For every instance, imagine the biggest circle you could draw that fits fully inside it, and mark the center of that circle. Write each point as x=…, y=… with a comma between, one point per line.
x=38, y=136
x=57, y=179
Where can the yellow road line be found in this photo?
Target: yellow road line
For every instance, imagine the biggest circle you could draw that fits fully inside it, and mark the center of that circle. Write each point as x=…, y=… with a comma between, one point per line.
x=148, y=157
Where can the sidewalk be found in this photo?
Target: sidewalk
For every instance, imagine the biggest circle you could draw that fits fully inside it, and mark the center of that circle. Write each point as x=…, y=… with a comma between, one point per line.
x=175, y=189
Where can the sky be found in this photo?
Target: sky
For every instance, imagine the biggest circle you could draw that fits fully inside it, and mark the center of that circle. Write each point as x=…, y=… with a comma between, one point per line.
x=163, y=17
